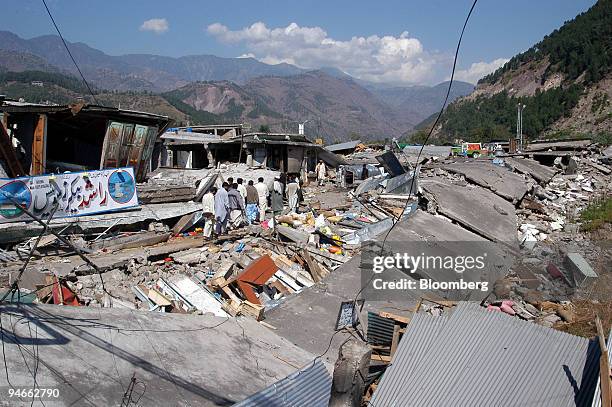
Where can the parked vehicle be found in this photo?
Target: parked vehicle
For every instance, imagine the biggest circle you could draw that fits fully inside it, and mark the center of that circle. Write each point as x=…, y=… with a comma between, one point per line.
x=473, y=150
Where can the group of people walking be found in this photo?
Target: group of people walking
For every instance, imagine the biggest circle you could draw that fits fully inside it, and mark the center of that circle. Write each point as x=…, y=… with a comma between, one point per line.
x=234, y=204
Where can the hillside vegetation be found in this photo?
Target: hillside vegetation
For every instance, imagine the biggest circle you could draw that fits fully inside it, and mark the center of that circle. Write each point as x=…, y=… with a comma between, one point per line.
x=564, y=80
x=581, y=46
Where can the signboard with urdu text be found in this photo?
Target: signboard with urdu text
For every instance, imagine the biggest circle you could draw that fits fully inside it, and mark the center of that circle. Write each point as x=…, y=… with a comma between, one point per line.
x=77, y=193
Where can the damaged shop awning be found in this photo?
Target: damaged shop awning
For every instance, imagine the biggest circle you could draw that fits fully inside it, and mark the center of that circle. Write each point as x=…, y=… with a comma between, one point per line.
x=80, y=137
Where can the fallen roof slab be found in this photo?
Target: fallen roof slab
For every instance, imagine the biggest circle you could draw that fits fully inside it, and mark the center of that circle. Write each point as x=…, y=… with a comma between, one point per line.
x=428, y=151
x=567, y=145
x=18, y=231
x=498, y=179
x=475, y=208
x=539, y=172
x=91, y=355
x=308, y=318
x=105, y=261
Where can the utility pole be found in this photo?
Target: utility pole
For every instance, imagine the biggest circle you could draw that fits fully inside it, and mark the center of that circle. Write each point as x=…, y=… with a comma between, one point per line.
x=301, y=126
x=519, y=124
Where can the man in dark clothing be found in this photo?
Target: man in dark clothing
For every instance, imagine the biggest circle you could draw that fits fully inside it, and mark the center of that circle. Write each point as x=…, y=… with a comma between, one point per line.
x=252, y=201
x=236, y=206
x=364, y=172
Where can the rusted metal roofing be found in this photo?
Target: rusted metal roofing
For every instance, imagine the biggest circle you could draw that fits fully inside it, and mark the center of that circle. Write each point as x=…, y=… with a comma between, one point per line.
x=476, y=357
x=309, y=386
x=256, y=274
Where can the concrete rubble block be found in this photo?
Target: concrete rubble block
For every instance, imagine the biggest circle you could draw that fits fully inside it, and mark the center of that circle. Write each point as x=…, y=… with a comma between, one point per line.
x=539, y=172
x=98, y=223
x=473, y=208
x=529, y=240
x=163, y=351
x=501, y=181
x=581, y=272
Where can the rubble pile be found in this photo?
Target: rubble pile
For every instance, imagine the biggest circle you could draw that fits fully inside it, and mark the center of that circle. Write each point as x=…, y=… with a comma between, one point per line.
x=168, y=266
x=172, y=268
x=549, y=273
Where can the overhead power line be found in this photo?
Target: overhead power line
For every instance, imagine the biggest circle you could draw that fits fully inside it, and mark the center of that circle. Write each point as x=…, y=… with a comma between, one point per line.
x=70, y=53
x=414, y=174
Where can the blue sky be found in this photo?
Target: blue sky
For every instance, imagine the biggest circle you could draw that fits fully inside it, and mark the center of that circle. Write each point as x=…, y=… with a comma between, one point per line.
x=394, y=41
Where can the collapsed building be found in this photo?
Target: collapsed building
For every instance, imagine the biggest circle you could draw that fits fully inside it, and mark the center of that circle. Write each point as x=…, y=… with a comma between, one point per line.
x=206, y=148
x=77, y=137
x=282, y=301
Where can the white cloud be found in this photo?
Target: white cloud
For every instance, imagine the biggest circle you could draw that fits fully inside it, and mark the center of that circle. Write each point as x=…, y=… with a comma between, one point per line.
x=400, y=59
x=479, y=69
x=157, y=25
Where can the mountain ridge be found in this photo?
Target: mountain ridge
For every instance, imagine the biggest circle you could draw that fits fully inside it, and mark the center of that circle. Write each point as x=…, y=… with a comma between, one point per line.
x=565, y=80
x=261, y=93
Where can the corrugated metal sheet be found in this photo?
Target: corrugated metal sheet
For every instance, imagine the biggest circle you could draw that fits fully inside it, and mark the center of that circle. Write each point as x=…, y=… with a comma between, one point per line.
x=476, y=357
x=380, y=330
x=597, y=396
x=310, y=386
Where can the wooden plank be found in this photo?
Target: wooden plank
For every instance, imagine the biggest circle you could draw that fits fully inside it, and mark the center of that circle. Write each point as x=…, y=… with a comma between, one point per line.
x=39, y=146
x=158, y=298
x=604, y=367
x=131, y=241
x=287, y=280
x=381, y=358
x=230, y=294
x=334, y=257
x=254, y=310
x=398, y=318
x=601, y=168
x=296, y=236
x=395, y=339
x=231, y=307
x=269, y=326
x=8, y=155
x=281, y=287
x=313, y=267
x=221, y=276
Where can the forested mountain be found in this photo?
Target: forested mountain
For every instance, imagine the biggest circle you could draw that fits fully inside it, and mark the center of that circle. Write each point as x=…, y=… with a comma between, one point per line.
x=565, y=81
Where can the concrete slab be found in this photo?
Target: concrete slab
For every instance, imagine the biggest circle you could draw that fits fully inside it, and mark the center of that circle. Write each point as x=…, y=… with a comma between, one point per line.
x=18, y=231
x=308, y=318
x=558, y=145
x=64, y=265
x=581, y=271
x=90, y=355
x=500, y=180
x=539, y=172
x=475, y=208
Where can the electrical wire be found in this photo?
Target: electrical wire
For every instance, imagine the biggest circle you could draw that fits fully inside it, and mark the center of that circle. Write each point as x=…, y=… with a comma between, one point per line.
x=70, y=53
x=161, y=361
x=15, y=286
x=50, y=368
x=414, y=174
x=62, y=239
x=411, y=183
x=420, y=151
